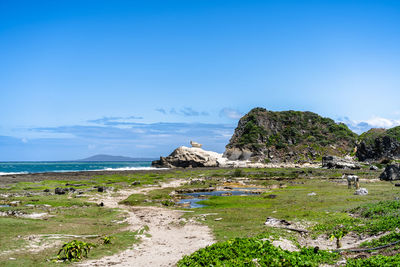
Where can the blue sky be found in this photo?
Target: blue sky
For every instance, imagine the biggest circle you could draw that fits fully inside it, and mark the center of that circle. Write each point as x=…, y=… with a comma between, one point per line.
x=139, y=78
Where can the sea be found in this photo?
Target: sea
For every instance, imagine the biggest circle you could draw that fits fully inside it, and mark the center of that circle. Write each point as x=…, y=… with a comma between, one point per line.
x=7, y=168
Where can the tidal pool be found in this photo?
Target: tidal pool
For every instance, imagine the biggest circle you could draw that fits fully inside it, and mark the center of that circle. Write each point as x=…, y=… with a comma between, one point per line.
x=199, y=196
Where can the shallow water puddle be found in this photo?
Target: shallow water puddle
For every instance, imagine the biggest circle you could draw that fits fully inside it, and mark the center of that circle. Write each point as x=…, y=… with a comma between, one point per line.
x=199, y=196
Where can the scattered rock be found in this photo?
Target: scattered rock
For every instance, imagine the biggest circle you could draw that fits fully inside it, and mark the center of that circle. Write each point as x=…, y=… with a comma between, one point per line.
x=272, y=196
x=61, y=191
x=35, y=215
x=195, y=190
x=273, y=222
x=285, y=244
x=15, y=203
x=101, y=189
x=217, y=219
x=46, y=190
x=391, y=173
x=333, y=162
x=16, y=213
x=135, y=183
x=361, y=192
x=276, y=222
x=76, y=185
x=373, y=168
x=312, y=194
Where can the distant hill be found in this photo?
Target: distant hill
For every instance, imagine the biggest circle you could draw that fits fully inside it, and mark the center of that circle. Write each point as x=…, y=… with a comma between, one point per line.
x=288, y=136
x=102, y=157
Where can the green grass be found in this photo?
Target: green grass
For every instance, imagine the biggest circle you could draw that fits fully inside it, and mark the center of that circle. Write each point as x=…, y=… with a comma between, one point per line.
x=242, y=217
x=375, y=261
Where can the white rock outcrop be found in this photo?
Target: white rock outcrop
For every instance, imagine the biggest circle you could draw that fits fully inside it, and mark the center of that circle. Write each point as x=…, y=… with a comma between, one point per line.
x=192, y=157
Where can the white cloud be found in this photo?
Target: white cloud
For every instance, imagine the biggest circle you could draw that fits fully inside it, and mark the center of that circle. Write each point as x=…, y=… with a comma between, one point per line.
x=378, y=122
x=231, y=113
x=374, y=122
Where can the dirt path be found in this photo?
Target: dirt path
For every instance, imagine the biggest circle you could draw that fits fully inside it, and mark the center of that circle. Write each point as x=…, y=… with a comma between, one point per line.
x=170, y=236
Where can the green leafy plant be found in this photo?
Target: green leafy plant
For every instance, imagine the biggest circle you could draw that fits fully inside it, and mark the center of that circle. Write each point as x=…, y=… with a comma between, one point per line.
x=107, y=240
x=74, y=250
x=238, y=173
x=255, y=252
x=339, y=232
x=167, y=203
x=375, y=261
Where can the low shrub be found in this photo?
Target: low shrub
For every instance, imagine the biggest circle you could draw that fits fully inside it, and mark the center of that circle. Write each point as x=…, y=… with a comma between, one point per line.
x=74, y=250
x=255, y=252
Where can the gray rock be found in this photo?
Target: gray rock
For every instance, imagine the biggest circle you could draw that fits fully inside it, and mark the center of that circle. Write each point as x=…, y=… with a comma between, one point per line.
x=237, y=154
x=383, y=147
x=333, y=162
x=61, y=191
x=373, y=168
x=391, y=173
x=276, y=222
x=361, y=192
x=101, y=189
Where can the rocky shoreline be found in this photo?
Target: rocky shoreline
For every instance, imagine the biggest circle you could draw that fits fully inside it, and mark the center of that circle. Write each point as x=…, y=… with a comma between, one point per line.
x=80, y=175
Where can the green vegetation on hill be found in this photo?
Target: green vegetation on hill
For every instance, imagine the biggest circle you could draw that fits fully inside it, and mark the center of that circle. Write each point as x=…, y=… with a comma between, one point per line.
x=379, y=144
x=372, y=134
x=291, y=128
x=294, y=131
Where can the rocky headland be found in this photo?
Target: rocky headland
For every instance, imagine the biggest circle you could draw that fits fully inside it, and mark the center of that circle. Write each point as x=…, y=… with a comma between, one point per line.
x=265, y=138
x=379, y=145
x=288, y=136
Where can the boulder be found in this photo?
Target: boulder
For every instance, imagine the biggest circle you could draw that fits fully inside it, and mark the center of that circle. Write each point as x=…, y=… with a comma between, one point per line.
x=61, y=191
x=333, y=162
x=237, y=154
x=361, y=191
x=373, y=168
x=195, y=144
x=101, y=189
x=187, y=157
x=273, y=222
x=391, y=173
